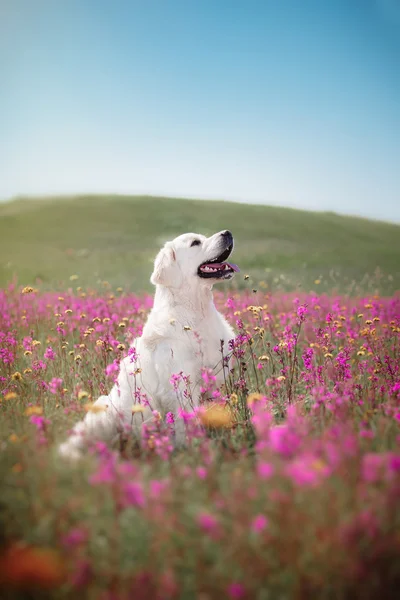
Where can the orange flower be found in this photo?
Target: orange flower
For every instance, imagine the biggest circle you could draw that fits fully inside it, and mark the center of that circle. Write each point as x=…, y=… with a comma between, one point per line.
x=24, y=567
x=33, y=410
x=217, y=416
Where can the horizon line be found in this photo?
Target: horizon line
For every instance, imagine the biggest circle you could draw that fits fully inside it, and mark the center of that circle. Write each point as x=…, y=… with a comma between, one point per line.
x=65, y=196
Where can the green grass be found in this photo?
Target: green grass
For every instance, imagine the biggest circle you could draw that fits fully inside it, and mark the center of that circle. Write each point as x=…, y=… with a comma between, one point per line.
x=115, y=238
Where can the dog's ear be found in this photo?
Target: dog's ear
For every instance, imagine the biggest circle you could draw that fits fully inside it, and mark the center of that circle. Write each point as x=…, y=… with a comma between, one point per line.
x=166, y=271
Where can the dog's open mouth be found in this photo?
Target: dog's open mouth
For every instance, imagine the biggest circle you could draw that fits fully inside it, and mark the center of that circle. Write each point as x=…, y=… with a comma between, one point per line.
x=217, y=268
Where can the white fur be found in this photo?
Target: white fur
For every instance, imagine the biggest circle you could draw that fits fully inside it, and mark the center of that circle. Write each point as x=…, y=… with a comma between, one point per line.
x=182, y=300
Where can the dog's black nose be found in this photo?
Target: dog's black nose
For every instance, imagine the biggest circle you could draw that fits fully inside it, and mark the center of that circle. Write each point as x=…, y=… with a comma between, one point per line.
x=227, y=235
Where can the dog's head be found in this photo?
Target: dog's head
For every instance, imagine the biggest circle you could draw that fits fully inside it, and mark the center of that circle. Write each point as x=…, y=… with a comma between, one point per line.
x=194, y=257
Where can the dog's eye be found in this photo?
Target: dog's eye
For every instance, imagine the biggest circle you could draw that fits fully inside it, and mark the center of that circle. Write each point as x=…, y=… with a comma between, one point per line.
x=195, y=243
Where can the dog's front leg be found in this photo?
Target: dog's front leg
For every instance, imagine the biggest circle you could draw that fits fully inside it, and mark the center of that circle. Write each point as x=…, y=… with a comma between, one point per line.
x=178, y=374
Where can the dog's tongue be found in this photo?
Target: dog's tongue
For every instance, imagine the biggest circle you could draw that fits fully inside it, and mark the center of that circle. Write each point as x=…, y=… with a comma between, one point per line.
x=234, y=267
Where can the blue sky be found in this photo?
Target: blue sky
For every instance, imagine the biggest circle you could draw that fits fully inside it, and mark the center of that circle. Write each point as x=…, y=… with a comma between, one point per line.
x=287, y=102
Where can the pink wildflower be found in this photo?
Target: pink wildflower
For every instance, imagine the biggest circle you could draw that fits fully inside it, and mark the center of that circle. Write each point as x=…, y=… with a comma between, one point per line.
x=259, y=523
x=201, y=472
x=307, y=470
x=207, y=522
x=55, y=385
x=75, y=537
x=235, y=591
x=49, y=353
x=112, y=369
x=265, y=470
x=133, y=494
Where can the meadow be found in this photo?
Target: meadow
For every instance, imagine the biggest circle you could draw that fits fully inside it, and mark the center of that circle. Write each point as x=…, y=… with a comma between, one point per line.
x=290, y=483
x=115, y=239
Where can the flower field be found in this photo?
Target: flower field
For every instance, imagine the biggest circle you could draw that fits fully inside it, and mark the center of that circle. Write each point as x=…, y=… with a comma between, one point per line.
x=290, y=483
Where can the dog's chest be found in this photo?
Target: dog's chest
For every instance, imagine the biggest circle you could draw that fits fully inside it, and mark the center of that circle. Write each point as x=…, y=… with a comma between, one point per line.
x=212, y=336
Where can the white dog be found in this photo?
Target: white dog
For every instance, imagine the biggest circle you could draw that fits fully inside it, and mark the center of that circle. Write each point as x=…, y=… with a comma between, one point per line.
x=183, y=333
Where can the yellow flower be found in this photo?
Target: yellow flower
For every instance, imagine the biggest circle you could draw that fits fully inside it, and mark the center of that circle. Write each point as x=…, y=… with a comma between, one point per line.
x=216, y=416
x=10, y=396
x=233, y=399
x=33, y=410
x=186, y=328
x=263, y=358
x=27, y=353
x=27, y=371
x=318, y=465
x=281, y=378
x=68, y=311
x=83, y=394
x=36, y=343
x=121, y=347
x=16, y=376
x=253, y=398
x=13, y=438
x=137, y=408
x=27, y=290
x=121, y=325
x=95, y=408
x=73, y=277
x=317, y=281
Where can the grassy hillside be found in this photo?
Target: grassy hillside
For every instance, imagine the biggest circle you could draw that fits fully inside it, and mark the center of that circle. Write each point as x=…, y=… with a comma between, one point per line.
x=115, y=238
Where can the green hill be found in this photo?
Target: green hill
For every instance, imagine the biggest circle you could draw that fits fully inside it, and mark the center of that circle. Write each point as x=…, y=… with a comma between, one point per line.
x=115, y=238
